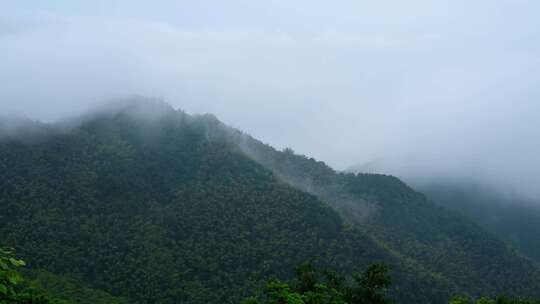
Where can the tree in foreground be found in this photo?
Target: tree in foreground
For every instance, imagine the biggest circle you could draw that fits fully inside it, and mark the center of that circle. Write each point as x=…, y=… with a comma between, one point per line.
x=309, y=287
x=11, y=291
x=327, y=287
x=313, y=287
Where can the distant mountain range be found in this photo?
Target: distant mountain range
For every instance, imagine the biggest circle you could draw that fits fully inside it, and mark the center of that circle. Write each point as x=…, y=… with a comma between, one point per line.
x=149, y=204
x=511, y=217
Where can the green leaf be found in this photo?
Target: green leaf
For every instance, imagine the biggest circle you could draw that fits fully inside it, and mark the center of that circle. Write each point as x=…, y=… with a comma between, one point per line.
x=16, y=262
x=3, y=289
x=13, y=278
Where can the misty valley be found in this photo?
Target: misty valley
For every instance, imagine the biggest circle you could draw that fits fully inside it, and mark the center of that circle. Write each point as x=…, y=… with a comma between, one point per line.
x=139, y=202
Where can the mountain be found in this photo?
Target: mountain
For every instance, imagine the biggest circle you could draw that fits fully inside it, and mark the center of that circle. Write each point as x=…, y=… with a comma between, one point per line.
x=151, y=204
x=514, y=219
x=409, y=224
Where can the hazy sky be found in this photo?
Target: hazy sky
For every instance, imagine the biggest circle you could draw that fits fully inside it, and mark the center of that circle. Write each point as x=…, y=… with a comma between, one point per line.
x=421, y=87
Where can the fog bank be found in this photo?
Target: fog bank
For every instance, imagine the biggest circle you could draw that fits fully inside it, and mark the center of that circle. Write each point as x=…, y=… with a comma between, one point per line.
x=422, y=88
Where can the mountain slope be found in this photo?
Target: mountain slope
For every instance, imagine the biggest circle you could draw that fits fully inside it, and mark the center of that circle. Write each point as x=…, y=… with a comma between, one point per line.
x=406, y=222
x=515, y=220
x=156, y=206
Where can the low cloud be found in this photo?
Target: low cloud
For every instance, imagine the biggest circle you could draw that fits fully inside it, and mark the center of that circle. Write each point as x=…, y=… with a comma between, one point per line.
x=424, y=89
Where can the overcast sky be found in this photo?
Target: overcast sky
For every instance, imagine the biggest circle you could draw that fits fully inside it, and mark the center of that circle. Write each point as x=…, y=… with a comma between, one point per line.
x=419, y=87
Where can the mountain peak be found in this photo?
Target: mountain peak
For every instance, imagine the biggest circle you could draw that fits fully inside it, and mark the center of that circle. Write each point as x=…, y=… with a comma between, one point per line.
x=136, y=106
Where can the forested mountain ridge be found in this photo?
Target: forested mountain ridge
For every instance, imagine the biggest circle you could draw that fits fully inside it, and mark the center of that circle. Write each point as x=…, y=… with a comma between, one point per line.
x=513, y=218
x=158, y=206
x=406, y=222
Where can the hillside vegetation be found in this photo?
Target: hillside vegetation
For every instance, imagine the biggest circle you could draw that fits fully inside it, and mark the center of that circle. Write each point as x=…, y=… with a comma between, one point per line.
x=156, y=206
x=514, y=219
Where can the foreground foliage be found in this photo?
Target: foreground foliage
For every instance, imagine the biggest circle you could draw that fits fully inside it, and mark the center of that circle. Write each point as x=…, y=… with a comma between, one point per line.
x=41, y=287
x=328, y=287
x=310, y=286
x=313, y=287
x=11, y=291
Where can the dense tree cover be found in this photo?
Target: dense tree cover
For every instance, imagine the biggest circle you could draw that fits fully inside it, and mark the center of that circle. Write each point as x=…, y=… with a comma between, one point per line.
x=157, y=206
x=328, y=287
x=67, y=290
x=514, y=219
x=39, y=287
x=445, y=243
x=163, y=211
x=311, y=286
x=495, y=300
